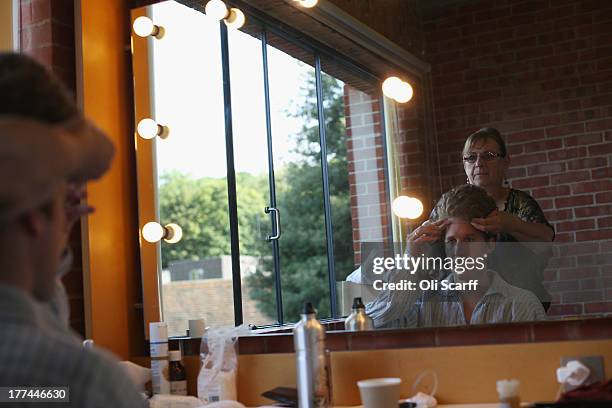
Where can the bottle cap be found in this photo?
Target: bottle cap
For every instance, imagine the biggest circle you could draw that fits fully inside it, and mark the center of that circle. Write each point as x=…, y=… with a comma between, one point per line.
x=158, y=332
x=358, y=303
x=174, y=355
x=308, y=308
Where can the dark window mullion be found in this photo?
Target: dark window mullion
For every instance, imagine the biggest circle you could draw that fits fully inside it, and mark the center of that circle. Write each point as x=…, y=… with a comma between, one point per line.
x=331, y=266
x=231, y=178
x=275, y=245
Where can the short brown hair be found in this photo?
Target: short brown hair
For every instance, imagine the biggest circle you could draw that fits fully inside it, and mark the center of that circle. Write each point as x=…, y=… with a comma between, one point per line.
x=29, y=90
x=467, y=202
x=483, y=135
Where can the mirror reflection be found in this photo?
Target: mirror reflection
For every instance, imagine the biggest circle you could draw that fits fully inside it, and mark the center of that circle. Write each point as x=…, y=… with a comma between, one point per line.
x=491, y=227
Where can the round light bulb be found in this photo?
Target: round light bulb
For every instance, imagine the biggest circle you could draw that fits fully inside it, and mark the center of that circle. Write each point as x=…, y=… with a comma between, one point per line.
x=216, y=9
x=144, y=27
x=236, y=18
x=153, y=232
x=174, y=233
x=404, y=93
x=407, y=207
x=148, y=128
x=308, y=3
x=392, y=87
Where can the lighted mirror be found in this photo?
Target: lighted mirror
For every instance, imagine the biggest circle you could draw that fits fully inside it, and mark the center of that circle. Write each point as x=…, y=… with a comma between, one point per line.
x=282, y=161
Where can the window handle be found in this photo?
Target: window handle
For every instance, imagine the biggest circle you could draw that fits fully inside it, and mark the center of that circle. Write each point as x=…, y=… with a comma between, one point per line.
x=276, y=226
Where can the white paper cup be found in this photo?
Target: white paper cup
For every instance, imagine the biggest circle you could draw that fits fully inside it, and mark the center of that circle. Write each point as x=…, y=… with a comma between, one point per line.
x=380, y=392
x=196, y=328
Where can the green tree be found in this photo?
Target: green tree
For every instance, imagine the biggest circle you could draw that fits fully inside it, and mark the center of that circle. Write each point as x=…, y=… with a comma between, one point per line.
x=199, y=206
x=304, y=269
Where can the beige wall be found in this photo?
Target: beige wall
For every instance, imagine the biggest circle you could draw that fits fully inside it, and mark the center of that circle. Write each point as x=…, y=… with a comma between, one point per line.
x=466, y=374
x=6, y=25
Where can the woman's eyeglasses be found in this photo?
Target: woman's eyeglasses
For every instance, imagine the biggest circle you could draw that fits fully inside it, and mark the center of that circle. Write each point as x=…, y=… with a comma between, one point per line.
x=486, y=156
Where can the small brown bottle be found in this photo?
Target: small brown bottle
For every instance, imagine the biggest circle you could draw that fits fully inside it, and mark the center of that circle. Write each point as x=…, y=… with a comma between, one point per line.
x=178, y=378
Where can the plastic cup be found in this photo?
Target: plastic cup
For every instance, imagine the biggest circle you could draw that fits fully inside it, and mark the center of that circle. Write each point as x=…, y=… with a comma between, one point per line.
x=380, y=392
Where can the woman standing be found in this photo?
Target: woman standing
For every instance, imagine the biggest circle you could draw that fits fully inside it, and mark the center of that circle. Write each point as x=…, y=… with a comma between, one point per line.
x=523, y=233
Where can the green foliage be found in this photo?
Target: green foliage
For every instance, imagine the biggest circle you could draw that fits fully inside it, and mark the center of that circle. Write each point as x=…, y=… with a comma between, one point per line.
x=200, y=207
x=303, y=257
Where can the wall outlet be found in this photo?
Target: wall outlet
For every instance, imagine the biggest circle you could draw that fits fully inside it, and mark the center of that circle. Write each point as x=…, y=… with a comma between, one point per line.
x=595, y=364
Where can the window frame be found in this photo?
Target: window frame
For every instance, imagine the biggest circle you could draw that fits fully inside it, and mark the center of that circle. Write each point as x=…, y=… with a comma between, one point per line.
x=267, y=25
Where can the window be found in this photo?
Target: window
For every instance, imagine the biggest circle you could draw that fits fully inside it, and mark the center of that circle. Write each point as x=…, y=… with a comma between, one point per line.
x=274, y=168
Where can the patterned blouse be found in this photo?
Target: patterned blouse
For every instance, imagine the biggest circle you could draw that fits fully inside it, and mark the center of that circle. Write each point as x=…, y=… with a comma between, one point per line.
x=515, y=263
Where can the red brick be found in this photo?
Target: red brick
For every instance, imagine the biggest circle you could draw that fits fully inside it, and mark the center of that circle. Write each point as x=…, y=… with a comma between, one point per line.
x=565, y=130
x=565, y=309
x=516, y=172
x=570, y=177
x=591, y=284
x=605, y=222
x=582, y=296
x=564, y=237
x=578, y=273
x=564, y=286
x=574, y=201
x=592, y=186
x=594, y=235
x=549, y=168
x=602, y=173
x=604, y=148
x=554, y=191
x=575, y=225
x=587, y=163
x=529, y=7
x=542, y=121
x=543, y=145
x=490, y=14
x=604, y=197
x=604, y=124
x=564, y=154
x=531, y=182
x=41, y=34
x=525, y=159
x=41, y=10
x=579, y=248
x=557, y=215
x=555, y=37
x=593, y=211
x=598, y=307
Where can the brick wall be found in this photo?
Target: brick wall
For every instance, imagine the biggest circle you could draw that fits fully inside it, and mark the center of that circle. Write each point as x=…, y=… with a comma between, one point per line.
x=540, y=72
x=412, y=158
x=366, y=168
x=47, y=34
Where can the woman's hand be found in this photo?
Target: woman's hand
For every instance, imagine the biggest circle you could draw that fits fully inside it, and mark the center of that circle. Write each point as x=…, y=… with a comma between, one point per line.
x=427, y=233
x=496, y=223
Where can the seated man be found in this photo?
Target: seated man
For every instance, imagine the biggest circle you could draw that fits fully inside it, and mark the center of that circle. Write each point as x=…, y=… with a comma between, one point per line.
x=36, y=350
x=471, y=293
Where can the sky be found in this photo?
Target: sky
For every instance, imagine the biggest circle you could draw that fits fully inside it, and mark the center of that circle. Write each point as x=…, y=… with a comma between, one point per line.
x=188, y=96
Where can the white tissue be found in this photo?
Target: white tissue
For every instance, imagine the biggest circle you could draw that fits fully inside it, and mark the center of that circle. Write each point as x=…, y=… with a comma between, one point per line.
x=574, y=373
x=174, y=401
x=423, y=400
